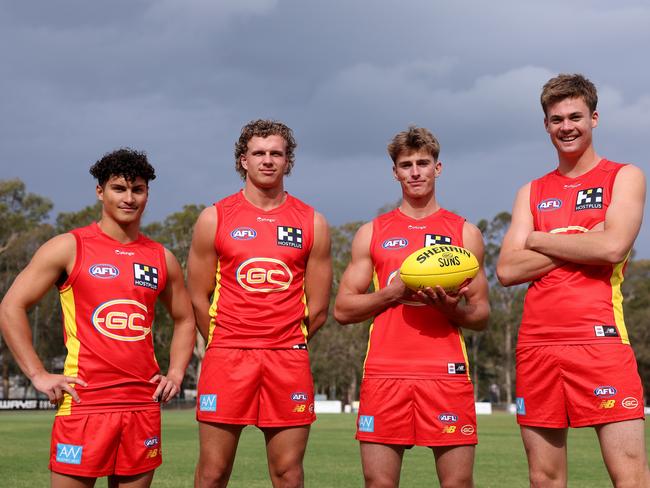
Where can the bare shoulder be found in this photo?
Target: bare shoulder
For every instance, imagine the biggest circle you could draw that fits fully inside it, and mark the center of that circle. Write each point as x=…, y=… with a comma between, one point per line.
x=630, y=173
x=60, y=250
x=320, y=222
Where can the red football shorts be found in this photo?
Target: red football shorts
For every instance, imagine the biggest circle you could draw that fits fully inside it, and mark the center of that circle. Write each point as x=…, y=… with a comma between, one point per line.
x=263, y=387
x=577, y=385
x=416, y=412
x=102, y=444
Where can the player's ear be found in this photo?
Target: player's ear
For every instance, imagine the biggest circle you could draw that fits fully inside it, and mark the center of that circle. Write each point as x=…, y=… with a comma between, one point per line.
x=99, y=191
x=244, y=163
x=545, y=124
x=594, y=119
x=437, y=168
x=395, y=172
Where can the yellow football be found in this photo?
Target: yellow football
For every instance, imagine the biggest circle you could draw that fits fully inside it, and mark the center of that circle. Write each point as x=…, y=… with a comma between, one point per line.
x=451, y=267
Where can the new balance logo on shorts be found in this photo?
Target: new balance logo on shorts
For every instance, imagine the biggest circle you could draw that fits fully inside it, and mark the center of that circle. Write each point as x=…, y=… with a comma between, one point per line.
x=208, y=403
x=145, y=275
x=366, y=423
x=290, y=236
x=68, y=453
x=521, y=406
x=591, y=198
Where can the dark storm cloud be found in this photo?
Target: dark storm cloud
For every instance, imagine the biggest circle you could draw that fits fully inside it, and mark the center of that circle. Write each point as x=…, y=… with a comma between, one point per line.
x=179, y=78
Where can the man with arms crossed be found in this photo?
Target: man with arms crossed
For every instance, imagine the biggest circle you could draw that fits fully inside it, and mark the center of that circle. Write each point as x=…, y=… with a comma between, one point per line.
x=571, y=235
x=416, y=386
x=109, y=277
x=259, y=277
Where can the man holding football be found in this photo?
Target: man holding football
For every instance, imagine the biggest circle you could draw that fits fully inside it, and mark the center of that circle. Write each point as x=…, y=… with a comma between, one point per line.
x=416, y=388
x=571, y=236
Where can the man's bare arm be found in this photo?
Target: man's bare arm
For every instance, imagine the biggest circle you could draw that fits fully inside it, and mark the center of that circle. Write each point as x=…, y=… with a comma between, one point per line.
x=353, y=303
x=202, y=268
x=50, y=261
x=517, y=264
x=612, y=243
x=318, y=276
x=178, y=304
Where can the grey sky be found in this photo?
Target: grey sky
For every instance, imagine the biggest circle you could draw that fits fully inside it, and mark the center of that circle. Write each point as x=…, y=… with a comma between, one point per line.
x=178, y=79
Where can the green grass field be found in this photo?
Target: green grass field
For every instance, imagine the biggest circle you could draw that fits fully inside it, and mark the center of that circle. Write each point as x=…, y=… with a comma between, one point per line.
x=332, y=456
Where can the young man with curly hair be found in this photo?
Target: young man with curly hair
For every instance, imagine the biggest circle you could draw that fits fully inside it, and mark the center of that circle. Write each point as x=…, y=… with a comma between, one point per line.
x=109, y=277
x=571, y=236
x=259, y=274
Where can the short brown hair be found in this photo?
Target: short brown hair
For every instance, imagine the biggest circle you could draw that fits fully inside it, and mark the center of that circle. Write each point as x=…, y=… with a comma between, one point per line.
x=569, y=86
x=414, y=139
x=264, y=128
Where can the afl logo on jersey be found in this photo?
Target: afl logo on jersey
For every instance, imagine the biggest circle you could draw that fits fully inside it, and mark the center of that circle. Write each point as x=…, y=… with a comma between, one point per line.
x=264, y=275
x=122, y=320
x=243, y=234
x=549, y=204
x=395, y=243
x=104, y=271
x=605, y=391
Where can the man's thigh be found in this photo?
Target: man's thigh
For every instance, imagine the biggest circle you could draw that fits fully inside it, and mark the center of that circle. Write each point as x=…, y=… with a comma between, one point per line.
x=624, y=452
x=381, y=463
x=455, y=465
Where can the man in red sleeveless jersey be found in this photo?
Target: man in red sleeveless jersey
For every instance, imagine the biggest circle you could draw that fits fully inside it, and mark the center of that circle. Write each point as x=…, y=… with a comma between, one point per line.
x=571, y=235
x=416, y=387
x=109, y=277
x=259, y=274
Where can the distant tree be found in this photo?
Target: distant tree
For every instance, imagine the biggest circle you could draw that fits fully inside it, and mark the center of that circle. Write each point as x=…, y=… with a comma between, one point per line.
x=23, y=229
x=636, y=305
x=66, y=221
x=337, y=352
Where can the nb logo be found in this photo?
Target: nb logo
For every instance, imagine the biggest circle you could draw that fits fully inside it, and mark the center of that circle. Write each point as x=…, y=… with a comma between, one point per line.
x=68, y=453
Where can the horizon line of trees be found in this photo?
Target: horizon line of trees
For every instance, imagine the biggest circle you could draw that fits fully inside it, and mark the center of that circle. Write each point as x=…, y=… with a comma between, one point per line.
x=337, y=352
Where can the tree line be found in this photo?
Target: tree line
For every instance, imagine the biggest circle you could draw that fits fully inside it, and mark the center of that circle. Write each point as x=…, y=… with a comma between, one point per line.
x=337, y=352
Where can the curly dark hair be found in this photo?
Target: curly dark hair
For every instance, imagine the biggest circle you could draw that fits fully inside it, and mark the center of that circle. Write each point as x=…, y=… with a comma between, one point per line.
x=125, y=162
x=414, y=139
x=569, y=86
x=264, y=128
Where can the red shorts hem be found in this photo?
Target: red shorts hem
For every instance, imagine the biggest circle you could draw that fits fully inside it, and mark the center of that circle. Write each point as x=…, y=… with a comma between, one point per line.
x=255, y=422
x=608, y=421
x=422, y=443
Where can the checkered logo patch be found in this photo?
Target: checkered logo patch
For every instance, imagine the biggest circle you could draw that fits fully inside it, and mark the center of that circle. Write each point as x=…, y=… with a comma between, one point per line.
x=591, y=198
x=432, y=239
x=145, y=275
x=290, y=236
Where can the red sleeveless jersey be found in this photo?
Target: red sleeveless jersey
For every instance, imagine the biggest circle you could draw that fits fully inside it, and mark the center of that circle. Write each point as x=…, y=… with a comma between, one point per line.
x=259, y=299
x=574, y=304
x=108, y=310
x=410, y=339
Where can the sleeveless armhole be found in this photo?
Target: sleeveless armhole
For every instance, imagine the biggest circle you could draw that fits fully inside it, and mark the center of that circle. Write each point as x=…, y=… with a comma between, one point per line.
x=78, y=259
x=461, y=225
x=216, y=242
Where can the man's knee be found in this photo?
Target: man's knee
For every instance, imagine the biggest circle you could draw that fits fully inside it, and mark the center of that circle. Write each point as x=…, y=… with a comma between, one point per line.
x=291, y=476
x=212, y=475
x=546, y=478
x=379, y=480
x=459, y=479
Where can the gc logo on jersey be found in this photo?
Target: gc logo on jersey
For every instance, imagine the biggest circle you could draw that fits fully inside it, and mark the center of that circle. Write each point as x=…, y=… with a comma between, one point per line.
x=68, y=453
x=433, y=239
x=290, y=236
x=145, y=275
x=122, y=320
x=589, y=199
x=264, y=275
x=104, y=271
x=243, y=234
x=395, y=243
